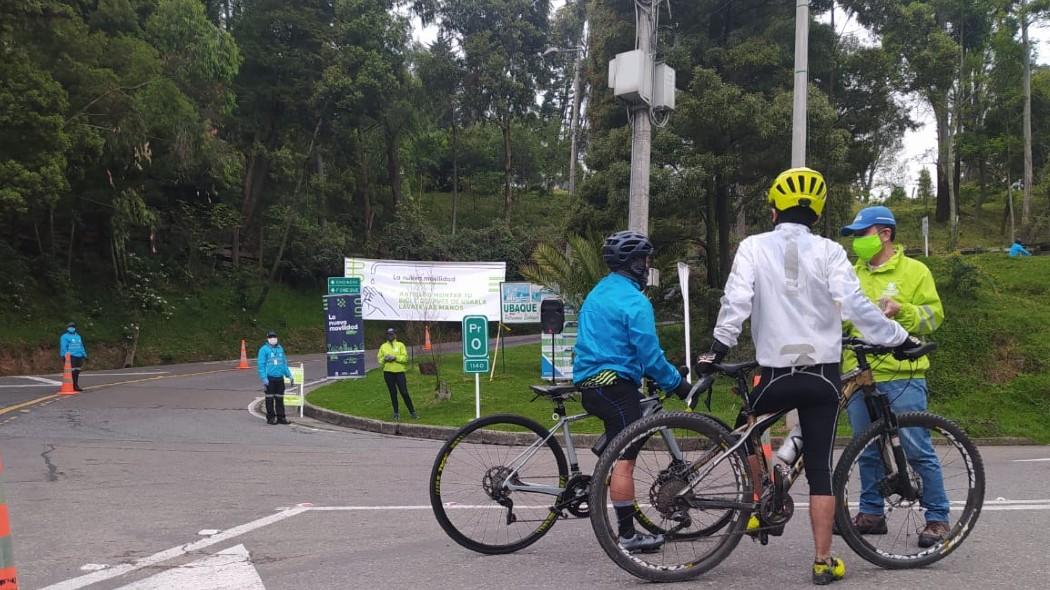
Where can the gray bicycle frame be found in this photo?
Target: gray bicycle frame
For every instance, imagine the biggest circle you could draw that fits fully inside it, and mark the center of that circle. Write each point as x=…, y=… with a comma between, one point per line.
x=649, y=406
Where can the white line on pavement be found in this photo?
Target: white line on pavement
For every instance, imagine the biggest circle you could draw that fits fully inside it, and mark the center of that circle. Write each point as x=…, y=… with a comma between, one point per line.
x=1031, y=460
x=251, y=408
x=157, y=558
x=42, y=380
x=24, y=386
x=129, y=374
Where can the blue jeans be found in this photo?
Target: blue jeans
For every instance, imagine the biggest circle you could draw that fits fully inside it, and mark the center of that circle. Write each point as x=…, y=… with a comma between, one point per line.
x=905, y=395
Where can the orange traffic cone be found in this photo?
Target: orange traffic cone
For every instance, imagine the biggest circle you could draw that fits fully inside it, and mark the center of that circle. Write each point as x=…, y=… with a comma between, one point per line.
x=8, y=577
x=67, y=378
x=244, y=357
x=426, y=338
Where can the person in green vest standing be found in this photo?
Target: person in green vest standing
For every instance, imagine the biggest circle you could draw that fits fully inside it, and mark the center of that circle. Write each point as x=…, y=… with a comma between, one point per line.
x=393, y=358
x=903, y=288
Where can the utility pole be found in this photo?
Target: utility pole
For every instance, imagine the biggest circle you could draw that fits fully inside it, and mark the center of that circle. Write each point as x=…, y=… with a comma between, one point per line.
x=798, y=111
x=642, y=140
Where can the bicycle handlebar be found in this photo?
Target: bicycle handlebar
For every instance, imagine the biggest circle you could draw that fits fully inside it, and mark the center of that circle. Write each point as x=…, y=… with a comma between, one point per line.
x=904, y=354
x=703, y=384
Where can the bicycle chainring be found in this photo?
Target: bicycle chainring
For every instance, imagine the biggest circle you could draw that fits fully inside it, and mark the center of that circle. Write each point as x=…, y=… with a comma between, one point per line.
x=576, y=496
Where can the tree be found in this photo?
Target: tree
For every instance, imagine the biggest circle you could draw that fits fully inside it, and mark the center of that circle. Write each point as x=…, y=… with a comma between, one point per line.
x=500, y=41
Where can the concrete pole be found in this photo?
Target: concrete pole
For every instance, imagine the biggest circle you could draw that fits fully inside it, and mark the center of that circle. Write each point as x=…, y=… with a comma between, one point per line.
x=1026, y=201
x=798, y=111
x=576, y=86
x=641, y=145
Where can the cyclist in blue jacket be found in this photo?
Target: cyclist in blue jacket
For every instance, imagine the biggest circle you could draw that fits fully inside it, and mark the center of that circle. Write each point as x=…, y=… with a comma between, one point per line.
x=617, y=345
x=273, y=368
x=72, y=343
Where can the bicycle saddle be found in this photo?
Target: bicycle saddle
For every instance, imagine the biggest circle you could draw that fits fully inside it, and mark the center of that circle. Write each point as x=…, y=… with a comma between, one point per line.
x=734, y=369
x=554, y=391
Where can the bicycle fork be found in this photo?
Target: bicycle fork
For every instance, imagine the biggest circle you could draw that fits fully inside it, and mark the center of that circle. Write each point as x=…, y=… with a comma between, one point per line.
x=895, y=461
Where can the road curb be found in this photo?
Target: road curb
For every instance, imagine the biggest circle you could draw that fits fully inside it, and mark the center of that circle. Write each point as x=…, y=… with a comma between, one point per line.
x=443, y=433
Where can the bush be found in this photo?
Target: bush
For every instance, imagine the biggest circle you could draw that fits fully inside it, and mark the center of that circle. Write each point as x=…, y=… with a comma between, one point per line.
x=964, y=279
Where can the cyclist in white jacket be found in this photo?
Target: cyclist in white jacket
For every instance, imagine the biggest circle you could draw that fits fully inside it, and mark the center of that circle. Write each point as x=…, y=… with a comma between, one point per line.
x=797, y=288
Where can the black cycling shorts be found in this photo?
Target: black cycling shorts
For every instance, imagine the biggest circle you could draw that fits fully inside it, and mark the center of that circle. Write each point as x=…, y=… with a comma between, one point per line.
x=617, y=405
x=814, y=392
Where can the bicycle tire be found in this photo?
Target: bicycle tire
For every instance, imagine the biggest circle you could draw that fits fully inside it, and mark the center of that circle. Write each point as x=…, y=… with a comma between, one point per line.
x=660, y=569
x=440, y=498
x=874, y=548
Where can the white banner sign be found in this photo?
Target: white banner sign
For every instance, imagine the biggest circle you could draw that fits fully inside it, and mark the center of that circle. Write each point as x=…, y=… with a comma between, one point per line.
x=521, y=302
x=427, y=291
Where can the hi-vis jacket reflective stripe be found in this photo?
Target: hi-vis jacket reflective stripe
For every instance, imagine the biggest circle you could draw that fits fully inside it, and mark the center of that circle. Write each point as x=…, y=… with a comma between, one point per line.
x=617, y=332
x=398, y=351
x=908, y=282
x=797, y=288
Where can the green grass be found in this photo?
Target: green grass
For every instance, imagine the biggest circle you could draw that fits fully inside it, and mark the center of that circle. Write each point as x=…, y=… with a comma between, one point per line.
x=507, y=393
x=990, y=373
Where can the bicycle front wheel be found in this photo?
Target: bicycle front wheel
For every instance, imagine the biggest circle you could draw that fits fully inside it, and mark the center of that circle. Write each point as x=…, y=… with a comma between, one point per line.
x=687, y=493
x=947, y=471
x=469, y=482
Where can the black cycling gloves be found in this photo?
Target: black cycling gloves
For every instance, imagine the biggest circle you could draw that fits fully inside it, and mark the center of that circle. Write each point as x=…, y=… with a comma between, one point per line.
x=714, y=356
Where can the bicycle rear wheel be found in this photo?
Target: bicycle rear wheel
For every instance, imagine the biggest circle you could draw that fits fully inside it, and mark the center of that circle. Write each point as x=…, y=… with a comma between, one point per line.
x=659, y=480
x=962, y=473
x=467, y=490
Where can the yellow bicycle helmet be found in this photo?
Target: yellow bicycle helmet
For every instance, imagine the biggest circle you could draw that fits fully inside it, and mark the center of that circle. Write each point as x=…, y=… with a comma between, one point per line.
x=798, y=187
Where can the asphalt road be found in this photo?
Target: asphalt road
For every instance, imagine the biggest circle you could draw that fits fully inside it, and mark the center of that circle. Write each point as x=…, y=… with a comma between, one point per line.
x=168, y=481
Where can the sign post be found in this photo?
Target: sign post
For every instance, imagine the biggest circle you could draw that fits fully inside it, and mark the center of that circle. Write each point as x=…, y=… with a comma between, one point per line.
x=476, y=353
x=683, y=282
x=926, y=235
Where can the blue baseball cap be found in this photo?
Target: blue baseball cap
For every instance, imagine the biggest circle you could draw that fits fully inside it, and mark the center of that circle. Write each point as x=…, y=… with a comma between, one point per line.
x=868, y=217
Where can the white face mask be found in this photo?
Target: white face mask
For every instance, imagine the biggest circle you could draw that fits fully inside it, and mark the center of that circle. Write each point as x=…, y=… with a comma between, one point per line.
x=272, y=341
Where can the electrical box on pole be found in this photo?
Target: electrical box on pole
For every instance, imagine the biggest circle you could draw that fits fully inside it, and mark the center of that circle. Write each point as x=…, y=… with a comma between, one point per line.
x=631, y=77
x=663, y=87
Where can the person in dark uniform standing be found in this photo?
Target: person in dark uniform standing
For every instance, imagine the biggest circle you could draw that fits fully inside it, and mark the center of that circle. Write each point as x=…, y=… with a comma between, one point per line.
x=72, y=343
x=273, y=368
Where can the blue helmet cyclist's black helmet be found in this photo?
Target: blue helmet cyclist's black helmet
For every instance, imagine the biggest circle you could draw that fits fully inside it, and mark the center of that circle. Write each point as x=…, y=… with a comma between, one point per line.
x=624, y=246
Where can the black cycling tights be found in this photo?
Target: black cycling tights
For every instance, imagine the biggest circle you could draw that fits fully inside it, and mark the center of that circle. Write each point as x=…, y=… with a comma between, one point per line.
x=814, y=392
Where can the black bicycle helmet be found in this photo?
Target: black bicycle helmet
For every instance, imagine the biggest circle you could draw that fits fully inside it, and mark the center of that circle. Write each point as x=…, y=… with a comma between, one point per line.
x=623, y=246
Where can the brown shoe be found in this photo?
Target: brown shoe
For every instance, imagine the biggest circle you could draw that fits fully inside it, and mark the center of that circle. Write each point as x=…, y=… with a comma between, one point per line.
x=866, y=524
x=934, y=533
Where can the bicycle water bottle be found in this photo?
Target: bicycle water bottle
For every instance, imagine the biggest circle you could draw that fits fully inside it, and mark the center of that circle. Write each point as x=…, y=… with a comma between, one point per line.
x=792, y=446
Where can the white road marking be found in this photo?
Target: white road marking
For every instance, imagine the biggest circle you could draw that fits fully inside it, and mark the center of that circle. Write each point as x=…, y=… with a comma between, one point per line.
x=231, y=569
x=168, y=554
x=251, y=408
x=93, y=567
x=208, y=532
x=145, y=373
x=1032, y=460
x=41, y=380
x=23, y=386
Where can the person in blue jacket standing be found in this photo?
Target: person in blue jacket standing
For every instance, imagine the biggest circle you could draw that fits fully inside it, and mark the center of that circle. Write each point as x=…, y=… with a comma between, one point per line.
x=273, y=368
x=1018, y=249
x=617, y=345
x=72, y=343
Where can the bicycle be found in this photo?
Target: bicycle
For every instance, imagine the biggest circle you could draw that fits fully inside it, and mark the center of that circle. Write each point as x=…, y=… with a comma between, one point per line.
x=715, y=482
x=505, y=489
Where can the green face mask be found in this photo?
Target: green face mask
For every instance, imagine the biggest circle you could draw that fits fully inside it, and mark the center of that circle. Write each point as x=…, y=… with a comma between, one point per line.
x=867, y=246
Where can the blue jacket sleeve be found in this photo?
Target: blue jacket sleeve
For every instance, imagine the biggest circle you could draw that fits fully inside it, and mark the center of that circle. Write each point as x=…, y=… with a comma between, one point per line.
x=262, y=361
x=63, y=346
x=642, y=327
